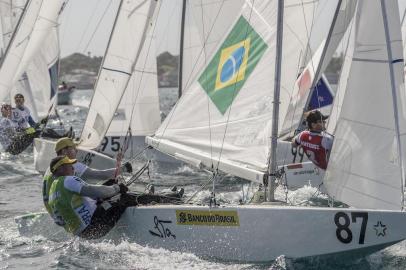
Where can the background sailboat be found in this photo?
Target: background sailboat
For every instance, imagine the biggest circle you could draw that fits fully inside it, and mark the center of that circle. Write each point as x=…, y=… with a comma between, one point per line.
x=120, y=65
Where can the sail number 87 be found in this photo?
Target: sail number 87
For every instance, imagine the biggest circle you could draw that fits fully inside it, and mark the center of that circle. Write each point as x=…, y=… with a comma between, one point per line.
x=343, y=231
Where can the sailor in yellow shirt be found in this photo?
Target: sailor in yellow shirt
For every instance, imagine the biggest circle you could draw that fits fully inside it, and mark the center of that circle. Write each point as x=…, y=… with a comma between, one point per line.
x=66, y=147
x=80, y=207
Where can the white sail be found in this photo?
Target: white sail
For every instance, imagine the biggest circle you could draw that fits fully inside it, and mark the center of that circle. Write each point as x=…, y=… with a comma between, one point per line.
x=16, y=48
x=139, y=106
x=311, y=74
x=46, y=22
x=225, y=121
x=123, y=51
x=10, y=12
x=43, y=74
x=366, y=166
x=206, y=24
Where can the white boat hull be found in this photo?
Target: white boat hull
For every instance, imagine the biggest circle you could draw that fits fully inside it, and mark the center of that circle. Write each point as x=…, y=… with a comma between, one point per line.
x=230, y=233
x=44, y=152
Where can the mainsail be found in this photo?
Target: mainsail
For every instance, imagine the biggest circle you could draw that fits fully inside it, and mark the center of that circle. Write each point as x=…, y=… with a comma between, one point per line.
x=224, y=118
x=367, y=160
x=129, y=32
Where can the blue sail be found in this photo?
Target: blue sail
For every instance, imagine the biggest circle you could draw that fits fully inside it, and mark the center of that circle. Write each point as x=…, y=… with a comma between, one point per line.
x=321, y=95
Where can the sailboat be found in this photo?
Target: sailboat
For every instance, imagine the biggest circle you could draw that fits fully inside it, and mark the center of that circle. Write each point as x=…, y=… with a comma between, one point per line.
x=366, y=169
x=119, y=71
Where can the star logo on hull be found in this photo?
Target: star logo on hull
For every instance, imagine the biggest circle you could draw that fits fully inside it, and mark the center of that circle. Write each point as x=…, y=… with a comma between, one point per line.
x=380, y=229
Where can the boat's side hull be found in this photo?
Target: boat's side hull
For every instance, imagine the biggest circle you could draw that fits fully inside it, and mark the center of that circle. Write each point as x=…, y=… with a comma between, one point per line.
x=112, y=144
x=44, y=152
x=262, y=233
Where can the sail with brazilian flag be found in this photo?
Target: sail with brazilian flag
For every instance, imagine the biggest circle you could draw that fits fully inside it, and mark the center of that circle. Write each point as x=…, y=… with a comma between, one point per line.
x=223, y=120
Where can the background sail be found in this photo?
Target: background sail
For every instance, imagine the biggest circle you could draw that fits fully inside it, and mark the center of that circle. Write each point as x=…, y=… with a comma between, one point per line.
x=40, y=63
x=10, y=12
x=16, y=48
x=46, y=22
x=42, y=73
x=139, y=107
x=223, y=119
x=365, y=168
x=118, y=64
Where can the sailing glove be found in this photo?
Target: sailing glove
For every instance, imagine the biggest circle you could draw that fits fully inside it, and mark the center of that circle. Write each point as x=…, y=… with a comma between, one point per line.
x=128, y=167
x=123, y=188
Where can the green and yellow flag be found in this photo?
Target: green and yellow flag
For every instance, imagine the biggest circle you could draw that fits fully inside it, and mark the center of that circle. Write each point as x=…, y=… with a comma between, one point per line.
x=233, y=63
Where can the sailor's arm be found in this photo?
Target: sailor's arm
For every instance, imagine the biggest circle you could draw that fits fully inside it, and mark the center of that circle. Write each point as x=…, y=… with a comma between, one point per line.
x=295, y=141
x=98, y=174
x=77, y=185
x=105, y=174
x=99, y=191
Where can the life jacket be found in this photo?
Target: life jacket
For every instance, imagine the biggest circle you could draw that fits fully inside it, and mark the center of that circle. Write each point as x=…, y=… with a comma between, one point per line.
x=69, y=206
x=46, y=186
x=316, y=146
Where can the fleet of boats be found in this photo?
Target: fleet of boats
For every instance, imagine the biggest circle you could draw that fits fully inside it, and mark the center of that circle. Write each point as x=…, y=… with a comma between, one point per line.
x=250, y=69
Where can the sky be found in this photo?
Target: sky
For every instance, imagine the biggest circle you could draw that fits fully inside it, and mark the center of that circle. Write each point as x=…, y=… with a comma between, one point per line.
x=85, y=26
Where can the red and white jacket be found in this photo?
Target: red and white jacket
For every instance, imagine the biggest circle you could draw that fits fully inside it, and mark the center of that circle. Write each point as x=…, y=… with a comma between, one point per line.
x=317, y=146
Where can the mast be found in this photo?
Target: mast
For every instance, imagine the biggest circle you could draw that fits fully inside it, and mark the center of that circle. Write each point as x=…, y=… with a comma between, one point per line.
x=391, y=62
x=275, y=114
x=181, y=45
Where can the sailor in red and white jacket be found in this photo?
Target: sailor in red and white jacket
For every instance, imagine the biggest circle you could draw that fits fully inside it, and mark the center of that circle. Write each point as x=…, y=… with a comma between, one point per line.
x=315, y=142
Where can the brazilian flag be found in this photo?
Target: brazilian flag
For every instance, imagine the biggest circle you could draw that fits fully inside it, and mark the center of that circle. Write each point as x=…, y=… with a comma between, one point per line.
x=232, y=64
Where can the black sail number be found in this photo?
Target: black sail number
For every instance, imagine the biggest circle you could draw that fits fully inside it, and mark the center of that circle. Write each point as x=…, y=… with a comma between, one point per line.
x=297, y=152
x=343, y=222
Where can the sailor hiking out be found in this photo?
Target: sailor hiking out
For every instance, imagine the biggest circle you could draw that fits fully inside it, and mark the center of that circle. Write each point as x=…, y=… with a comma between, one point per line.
x=66, y=147
x=90, y=211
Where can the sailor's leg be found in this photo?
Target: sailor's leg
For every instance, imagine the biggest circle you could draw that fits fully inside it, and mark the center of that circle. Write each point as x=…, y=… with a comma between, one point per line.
x=106, y=216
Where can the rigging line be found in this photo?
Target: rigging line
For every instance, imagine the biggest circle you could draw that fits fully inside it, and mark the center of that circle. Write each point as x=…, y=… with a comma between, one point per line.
x=97, y=27
x=205, y=74
x=86, y=28
x=234, y=91
x=211, y=179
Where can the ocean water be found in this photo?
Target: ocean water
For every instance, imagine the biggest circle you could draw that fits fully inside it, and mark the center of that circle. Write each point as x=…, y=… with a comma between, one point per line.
x=43, y=246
